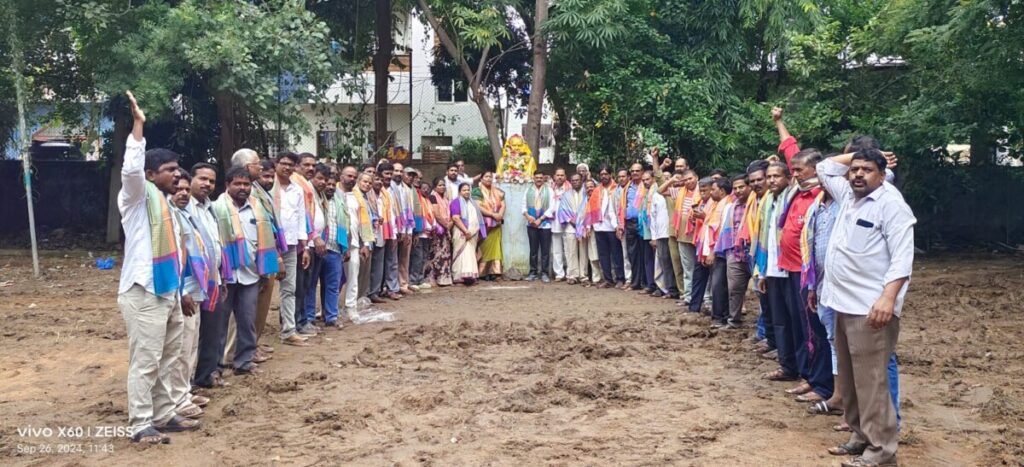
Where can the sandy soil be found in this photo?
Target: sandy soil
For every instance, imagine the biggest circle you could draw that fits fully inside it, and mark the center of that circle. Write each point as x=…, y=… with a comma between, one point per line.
x=509, y=375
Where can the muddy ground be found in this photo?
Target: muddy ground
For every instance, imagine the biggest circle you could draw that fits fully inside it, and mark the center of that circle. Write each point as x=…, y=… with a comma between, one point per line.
x=509, y=375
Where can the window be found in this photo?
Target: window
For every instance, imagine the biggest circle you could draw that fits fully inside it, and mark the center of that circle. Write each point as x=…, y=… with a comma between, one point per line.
x=436, y=148
x=453, y=91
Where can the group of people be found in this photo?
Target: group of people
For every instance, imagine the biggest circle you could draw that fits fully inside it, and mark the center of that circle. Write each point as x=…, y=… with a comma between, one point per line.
x=825, y=243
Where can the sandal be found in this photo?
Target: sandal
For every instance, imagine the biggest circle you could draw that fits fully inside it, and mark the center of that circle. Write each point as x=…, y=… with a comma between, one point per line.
x=778, y=375
x=842, y=427
x=150, y=436
x=810, y=396
x=191, y=411
x=862, y=462
x=178, y=424
x=848, y=449
x=200, y=401
x=822, y=408
x=803, y=388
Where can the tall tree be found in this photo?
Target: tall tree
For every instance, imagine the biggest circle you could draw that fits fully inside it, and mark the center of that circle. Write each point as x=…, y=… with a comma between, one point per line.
x=381, y=65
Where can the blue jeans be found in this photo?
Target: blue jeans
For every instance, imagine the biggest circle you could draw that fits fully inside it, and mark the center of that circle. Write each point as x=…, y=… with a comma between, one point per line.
x=828, y=319
x=328, y=274
x=894, y=386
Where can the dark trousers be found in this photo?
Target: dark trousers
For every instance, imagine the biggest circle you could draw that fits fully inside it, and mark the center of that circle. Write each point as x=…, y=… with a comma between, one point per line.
x=665, y=247
x=634, y=248
x=719, y=291
x=647, y=252
x=701, y=277
x=609, y=252
x=213, y=331
x=813, y=353
x=391, y=266
x=303, y=280
x=418, y=260
x=780, y=300
x=309, y=302
x=377, y=270
x=765, y=319
x=540, y=250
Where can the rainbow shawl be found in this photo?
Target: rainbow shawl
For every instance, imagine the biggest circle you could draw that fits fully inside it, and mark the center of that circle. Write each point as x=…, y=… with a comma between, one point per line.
x=418, y=214
x=567, y=208
x=363, y=214
x=591, y=209
x=641, y=192
x=309, y=196
x=727, y=234
x=644, y=217
x=681, y=212
x=534, y=209
x=167, y=268
x=198, y=264
x=769, y=213
x=270, y=205
x=461, y=206
x=236, y=248
x=490, y=199
x=751, y=221
x=387, y=214
x=406, y=217
x=340, y=216
x=808, y=270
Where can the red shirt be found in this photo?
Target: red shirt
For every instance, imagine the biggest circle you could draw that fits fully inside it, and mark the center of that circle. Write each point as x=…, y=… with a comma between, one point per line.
x=789, y=246
x=788, y=148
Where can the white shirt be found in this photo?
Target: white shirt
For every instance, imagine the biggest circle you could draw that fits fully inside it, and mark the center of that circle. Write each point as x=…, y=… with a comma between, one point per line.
x=772, y=269
x=248, y=275
x=293, y=213
x=463, y=178
x=452, y=188
x=609, y=219
x=549, y=213
x=872, y=244
x=353, y=219
x=556, y=198
x=319, y=224
x=659, y=217
x=202, y=214
x=131, y=202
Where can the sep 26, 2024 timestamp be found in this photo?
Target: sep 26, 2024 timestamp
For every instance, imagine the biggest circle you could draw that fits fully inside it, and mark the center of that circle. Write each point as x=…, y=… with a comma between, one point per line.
x=63, y=448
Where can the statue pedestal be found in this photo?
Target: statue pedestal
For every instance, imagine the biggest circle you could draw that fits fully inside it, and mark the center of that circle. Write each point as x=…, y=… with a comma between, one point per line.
x=515, y=245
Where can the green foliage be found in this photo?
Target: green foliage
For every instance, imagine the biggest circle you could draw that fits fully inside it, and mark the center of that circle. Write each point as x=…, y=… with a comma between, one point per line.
x=475, y=151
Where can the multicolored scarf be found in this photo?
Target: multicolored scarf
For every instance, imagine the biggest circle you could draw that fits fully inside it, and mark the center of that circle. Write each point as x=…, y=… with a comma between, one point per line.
x=387, y=214
x=726, y=234
x=406, y=216
x=769, y=212
x=424, y=211
x=198, y=266
x=490, y=199
x=750, y=223
x=167, y=267
x=681, y=212
x=337, y=220
x=568, y=204
x=538, y=205
x=644, y=217
x=309, y=197
x=462, y=205
x=270, y=205
x=592, y=214
x=363, y=213
x=808, y=270
x=236, y=247
x=641, y=190
x=709, y=228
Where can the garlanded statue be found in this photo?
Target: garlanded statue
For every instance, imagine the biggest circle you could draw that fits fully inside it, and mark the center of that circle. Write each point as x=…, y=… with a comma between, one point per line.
x=516, y=164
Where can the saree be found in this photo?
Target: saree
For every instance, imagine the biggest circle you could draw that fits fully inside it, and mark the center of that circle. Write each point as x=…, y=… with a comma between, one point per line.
x=441, y=244
x=490, y=248
x=464, y=265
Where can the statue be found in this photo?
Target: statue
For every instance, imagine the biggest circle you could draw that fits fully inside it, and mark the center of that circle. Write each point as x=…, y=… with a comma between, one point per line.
x=516, y=164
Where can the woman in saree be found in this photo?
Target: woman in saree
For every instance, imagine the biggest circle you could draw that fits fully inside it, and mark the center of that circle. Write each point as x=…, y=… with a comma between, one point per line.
x=469, y=230
x=492, y=205
x=441, y=242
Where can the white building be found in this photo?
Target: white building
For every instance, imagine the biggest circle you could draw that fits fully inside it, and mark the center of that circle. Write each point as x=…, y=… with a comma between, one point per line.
x=423, y=118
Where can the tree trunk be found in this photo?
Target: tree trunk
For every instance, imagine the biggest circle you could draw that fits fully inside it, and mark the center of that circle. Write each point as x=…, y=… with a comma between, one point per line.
x=381, y=62
x=535, y=106
x=122, y=129
x=561, y=129
x=981, y=147
x=479, y=96
x=226, y=116
x=762, y=73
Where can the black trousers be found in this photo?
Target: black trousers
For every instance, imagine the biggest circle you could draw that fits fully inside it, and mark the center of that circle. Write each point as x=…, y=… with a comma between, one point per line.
x=813, y=354
x=701, y=276
x=719, y=291
x=780, y=300
x=376, y=270
x=213, y=332
x=609, y=252
x=665, y=259
x=769, y=329
x=540, y=250
x=637, y=254
x=303, y=281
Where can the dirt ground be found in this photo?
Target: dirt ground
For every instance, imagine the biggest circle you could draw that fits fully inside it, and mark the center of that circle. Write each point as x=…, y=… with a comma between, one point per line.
x=512, y=375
